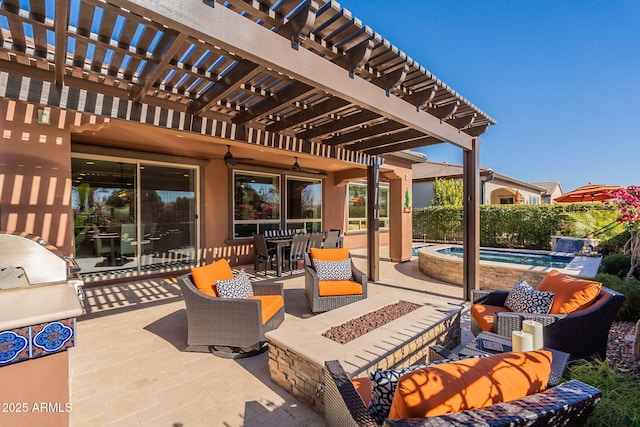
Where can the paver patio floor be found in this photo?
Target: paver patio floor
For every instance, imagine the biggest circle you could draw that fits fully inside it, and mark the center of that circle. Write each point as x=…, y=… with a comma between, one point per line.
x=129, y=368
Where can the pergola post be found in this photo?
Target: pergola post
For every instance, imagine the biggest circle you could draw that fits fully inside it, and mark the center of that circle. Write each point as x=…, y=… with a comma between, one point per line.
x=373, y=219
x=471, y=218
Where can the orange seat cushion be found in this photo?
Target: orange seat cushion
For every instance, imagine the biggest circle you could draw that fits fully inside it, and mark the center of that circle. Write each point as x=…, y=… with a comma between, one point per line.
x=570, y=294
x=270, y=305
x=337, y=254
x=332, y=288
x=363, y=387
x=484, y=315
x=205, y=277
x=470, y=384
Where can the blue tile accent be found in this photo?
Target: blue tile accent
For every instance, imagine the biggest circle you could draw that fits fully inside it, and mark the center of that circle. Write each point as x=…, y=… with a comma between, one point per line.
x=52, y=337
x=14, y=347
x=36, y=340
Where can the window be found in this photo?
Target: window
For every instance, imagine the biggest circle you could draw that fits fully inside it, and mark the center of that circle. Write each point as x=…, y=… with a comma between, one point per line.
x=256, y=202
x=506, y=200
x=534, y=201
x=304, y=204
x=357, y=207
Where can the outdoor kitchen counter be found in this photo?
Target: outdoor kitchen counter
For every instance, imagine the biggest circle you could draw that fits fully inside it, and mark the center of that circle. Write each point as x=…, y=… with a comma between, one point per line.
x=38, y=304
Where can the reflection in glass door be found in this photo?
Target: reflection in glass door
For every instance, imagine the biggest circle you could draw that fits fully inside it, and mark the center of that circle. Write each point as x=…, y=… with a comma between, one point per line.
x=132, y=216
x=168, y=216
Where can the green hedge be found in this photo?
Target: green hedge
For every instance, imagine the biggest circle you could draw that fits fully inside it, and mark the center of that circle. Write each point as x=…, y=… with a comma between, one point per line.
x=630, y=310
x=513, y=226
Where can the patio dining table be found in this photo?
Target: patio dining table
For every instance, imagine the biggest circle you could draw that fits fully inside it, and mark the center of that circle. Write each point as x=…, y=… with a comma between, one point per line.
x=279, y=243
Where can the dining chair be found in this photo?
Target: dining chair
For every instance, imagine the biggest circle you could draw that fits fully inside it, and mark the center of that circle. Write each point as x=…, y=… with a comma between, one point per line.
x=262, y=253
x=315, y=240
x=297, y=250
x=331, y=240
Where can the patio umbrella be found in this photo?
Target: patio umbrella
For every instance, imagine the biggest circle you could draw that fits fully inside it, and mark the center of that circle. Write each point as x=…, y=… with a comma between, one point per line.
x=588, y=193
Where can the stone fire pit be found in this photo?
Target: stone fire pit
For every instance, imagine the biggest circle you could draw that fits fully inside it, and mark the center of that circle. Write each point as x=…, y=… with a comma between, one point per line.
x=297, y=352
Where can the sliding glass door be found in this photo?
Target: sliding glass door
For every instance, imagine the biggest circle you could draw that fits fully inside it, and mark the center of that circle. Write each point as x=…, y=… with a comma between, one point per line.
x=168, y=215
x=132, y=216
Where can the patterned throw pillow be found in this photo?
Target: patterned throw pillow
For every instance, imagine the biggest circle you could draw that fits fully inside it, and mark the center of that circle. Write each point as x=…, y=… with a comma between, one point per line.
x=333, y=270
x=384, y=383
x=525, y=299
x=238, y=287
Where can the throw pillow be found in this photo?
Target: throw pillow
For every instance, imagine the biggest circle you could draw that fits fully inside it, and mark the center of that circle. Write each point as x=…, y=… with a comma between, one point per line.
x=470, y=384
x=384, y=383
x=205, y=277
x=237, y=287
x=571, y=294
x=333, y=270
x=525, y=299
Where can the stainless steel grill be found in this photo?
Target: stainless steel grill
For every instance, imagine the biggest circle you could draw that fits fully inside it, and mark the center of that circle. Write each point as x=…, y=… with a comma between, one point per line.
x=28, y=260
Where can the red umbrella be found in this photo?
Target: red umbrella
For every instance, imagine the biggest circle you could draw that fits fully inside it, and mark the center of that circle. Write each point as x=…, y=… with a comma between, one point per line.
x=588, y=193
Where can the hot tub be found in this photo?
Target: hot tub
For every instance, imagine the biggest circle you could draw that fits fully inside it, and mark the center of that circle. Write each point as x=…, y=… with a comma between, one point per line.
x=442, y=263
x=573, y=244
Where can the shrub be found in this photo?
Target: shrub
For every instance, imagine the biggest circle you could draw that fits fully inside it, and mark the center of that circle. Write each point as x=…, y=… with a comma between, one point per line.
x=630, y=310
x=519, y=226
x=615, y=244
x=620, y=393
x=616, y=263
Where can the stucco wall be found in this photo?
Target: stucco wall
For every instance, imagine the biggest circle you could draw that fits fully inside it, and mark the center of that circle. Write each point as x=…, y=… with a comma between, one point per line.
x=494, y=190
x=35, y=174
x=35, y=184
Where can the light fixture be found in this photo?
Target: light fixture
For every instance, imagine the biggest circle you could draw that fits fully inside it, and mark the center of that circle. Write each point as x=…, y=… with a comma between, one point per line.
x=44, y=116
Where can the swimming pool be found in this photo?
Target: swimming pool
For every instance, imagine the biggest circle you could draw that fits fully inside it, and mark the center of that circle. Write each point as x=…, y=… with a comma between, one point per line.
x=527, y=258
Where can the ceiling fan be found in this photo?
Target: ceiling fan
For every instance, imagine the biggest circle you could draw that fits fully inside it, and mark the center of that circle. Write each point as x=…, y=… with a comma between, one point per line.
x=231, y=160
x=296, y=167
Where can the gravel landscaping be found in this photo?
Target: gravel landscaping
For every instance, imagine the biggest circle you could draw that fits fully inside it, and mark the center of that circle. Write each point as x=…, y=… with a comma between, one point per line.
x=620, y=348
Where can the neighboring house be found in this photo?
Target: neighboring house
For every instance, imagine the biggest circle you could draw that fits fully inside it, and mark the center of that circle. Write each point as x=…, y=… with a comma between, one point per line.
x=495, y=188
x=551, y=191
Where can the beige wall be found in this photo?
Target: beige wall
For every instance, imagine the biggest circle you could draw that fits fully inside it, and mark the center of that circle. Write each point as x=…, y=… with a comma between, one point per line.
x=494, y=191
x=35, y=174
x=35, y=186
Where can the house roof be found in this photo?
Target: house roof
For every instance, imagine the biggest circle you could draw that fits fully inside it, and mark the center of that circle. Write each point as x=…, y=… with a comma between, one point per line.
x=304, y=75
x=549, y=186
x=429, y=171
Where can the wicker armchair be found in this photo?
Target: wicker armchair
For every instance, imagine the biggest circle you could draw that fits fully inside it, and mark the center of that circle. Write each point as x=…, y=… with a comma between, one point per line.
x=325, y=303
x=228, y=327
x=583, y=334
x=568, y=404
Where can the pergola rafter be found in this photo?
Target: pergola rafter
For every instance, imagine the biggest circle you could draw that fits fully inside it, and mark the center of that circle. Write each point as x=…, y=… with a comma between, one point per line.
x=144, y=48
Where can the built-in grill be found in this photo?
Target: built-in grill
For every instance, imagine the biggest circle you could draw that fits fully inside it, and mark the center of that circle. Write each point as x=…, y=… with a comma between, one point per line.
x=40, y=297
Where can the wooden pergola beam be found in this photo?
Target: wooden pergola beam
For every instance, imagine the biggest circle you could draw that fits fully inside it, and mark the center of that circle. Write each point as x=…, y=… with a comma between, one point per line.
x=363, y=133
x=168, y=46
x=61, y=26
x=230, y=31
x=343, y=123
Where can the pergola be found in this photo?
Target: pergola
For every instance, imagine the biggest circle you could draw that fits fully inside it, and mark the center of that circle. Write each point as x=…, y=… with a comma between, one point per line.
x=301, y=76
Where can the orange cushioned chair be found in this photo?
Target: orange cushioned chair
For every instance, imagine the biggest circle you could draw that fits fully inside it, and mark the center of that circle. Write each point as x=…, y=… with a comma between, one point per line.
x=580, y=308
x=228, y=327
x=508, y=389
x=331, y=279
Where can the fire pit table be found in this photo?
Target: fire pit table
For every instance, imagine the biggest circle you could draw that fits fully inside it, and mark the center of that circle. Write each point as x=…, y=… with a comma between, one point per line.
x=297, y=352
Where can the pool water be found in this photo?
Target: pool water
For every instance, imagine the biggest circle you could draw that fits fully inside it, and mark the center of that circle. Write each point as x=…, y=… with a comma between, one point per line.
x=526, y=258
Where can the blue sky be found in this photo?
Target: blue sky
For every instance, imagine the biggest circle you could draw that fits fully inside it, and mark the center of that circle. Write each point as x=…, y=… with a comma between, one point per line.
x=561, y=78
